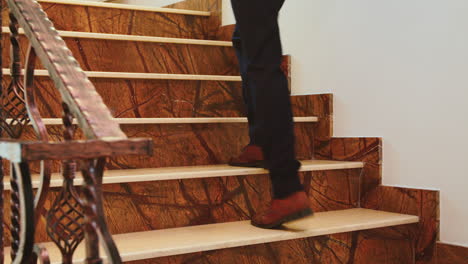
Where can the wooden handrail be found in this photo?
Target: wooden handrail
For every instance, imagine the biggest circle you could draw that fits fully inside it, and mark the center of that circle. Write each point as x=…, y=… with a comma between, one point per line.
x=76, y=90
x=24, y=151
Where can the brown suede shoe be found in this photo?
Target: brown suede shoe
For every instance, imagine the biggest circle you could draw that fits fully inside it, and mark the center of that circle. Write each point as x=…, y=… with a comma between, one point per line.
x=281, y=211
x=251, y=156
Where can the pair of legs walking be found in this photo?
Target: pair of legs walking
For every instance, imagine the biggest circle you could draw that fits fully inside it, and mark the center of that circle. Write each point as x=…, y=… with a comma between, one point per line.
x=265, y=90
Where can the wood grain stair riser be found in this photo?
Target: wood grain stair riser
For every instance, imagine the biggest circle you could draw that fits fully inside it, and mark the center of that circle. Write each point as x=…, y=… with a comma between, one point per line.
x=129, y=21
x=127, y=7
x=145, y=57
x=155, y=205
x=187, y=144
x=155, y=98
x=173, y=98
x=191, y=172
x=135, y=38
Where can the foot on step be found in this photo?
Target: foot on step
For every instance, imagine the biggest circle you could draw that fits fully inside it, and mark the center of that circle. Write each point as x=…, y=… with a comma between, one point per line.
x=293, y=207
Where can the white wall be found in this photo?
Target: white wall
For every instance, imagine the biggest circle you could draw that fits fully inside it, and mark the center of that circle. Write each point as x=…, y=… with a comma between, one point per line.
x=399, y=70
x=297, y=24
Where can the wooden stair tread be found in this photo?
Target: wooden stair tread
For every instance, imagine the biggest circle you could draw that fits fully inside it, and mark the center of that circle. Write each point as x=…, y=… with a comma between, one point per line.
x=180, y=120
x=106, y=36
x=148, y=76
x=192, y=172
x=176, y=241
x=129, y=7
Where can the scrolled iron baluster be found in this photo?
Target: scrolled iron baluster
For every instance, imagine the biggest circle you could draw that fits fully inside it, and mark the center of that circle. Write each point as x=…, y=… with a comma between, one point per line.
x=14, y=109
x=25, y=207
x=65, y=219
x=15, y=50
x=40, y=129
x=64, y=70
x=13, y=98
x=95, y=224
x=15, y=213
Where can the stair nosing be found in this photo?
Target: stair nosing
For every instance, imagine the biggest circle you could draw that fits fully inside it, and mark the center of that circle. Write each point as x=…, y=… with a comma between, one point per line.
x=194, y=172
x=183, y=240
x=139, y=38
x=130, y=7
x=146, y=76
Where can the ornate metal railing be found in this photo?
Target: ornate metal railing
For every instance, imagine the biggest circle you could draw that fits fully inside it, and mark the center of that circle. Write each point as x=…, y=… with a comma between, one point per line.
x=76, y=215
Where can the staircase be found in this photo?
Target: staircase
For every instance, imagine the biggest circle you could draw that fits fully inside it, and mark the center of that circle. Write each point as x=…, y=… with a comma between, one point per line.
x=170, y=74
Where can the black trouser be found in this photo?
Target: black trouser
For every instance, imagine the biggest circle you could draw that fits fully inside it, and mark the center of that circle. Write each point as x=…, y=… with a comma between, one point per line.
x=265, y=87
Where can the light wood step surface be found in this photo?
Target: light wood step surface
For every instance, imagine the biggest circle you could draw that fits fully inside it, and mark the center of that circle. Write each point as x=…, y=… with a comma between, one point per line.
x=105, y=36
x=148, y=76
x=128, y=7
x=176, y=241
x=192, y=172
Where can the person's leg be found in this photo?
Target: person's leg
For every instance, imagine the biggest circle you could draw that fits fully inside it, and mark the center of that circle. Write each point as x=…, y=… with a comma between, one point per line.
x=268, y=91
x=237, y=43
x=252, y=154
x=273, y=127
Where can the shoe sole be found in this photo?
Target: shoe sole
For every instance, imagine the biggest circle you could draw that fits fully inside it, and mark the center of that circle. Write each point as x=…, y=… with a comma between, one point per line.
x=256, y=164
x=289, y=218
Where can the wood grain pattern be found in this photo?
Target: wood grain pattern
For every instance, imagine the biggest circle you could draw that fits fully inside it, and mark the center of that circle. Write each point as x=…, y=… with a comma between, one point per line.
x=132, y=207
x=203, y=143
x=319, y=105
x=108, y=4
x=144, y=206
x=176, y=241
x=154, y=98
x=145, y=57
x=172, y=98
x=200, y=144
x=64, y=70
x=189, y=172
x=368, y=150
x=225, y=32
x=214, y=6
x=424, y=203
x=451, y=254
x=186, y=144
x=131, y=22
